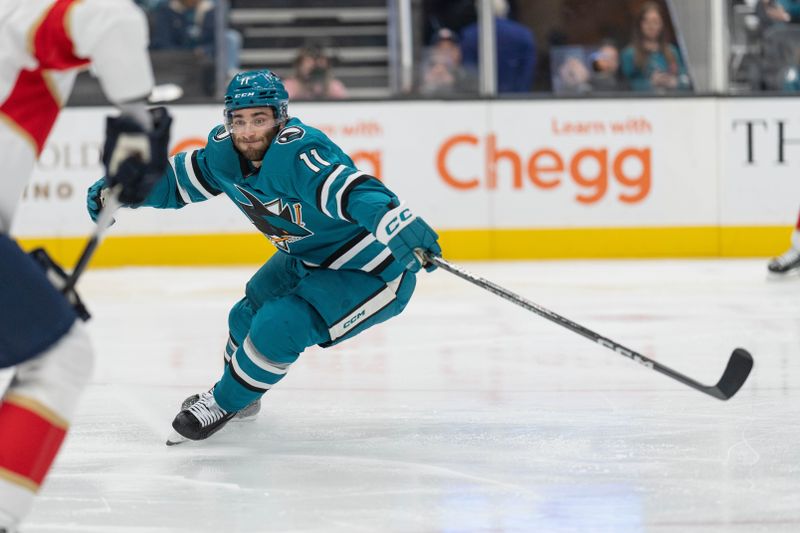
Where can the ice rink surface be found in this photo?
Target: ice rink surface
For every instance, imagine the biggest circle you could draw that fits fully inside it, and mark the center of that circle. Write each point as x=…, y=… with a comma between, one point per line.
x=465, y=413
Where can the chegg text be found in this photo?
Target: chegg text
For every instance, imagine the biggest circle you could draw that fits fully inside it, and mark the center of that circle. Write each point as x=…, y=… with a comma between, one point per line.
x=547, y=168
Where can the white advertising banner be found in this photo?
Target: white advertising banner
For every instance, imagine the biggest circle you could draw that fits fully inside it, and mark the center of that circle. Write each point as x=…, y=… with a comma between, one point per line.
x=486, y=165
x=54, y=203
x=590, y=163
x=760, y=166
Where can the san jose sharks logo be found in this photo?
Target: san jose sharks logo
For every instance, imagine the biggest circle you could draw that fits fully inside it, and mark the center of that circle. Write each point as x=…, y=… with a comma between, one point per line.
x=276, y=220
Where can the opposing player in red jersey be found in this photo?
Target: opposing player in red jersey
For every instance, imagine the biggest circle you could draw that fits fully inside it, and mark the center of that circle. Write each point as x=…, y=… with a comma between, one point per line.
x=790, y=260
x=43, y=44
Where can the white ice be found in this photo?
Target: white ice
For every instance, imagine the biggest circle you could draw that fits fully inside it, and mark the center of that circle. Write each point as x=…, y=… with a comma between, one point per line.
x=465, y=413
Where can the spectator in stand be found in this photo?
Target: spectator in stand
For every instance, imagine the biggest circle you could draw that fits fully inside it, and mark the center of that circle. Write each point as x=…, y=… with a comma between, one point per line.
x=149, y=5
x=516, y=51
x=650, y=63
x=453, y=14
x=771, y=12
x=189, y=25
x=313, y=77
x=446, y=43
x=442, y=71
x=790, y=74
x=780, y=43
x=606, y=75
x=573, y=75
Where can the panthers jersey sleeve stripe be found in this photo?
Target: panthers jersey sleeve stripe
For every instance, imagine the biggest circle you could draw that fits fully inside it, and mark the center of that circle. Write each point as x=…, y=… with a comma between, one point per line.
x=202, y=183
x=30, y=108
x=52, y=44
x=38, y=433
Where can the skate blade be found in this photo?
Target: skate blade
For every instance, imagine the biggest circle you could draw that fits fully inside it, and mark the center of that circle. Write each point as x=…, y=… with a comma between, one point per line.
x=175, y=438
x=789, y=275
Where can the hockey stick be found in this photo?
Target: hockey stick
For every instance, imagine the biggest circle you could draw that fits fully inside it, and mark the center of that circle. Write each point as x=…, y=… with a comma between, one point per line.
x=739, y=364
x=104, y=221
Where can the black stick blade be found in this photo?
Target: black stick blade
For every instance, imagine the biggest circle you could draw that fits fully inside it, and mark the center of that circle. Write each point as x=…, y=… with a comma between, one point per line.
x=739, y=366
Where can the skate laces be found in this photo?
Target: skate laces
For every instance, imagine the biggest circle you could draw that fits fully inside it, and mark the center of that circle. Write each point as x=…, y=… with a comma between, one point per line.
x=791, y=256
x=206, y=409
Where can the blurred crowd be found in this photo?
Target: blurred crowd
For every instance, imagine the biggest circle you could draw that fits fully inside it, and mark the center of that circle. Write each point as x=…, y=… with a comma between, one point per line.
x=766, y=45
x=638, y=53
x=649, y=62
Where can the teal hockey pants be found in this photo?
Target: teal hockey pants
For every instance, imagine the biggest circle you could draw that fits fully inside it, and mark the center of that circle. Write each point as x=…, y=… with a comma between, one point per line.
x=288, y=307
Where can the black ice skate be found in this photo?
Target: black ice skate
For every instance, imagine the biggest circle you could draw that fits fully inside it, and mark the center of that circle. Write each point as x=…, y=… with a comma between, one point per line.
x=786, y=263
x=248, y=412
x=202, y=419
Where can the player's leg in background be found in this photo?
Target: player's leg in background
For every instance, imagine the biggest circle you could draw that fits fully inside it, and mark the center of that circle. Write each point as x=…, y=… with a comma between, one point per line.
x=789, y=261
x=51, y=357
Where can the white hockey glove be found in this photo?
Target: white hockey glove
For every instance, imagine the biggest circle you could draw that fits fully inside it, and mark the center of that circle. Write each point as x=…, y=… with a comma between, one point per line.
x=135, y=157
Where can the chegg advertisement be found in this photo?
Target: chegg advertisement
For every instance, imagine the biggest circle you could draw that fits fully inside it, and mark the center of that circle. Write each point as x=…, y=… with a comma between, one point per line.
x=516, y=179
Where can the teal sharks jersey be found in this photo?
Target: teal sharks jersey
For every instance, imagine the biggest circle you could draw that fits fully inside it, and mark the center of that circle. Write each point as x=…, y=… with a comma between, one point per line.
x=307, y=198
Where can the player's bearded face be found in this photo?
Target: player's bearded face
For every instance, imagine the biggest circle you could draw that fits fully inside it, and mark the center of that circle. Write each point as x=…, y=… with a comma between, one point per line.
x=252, y=130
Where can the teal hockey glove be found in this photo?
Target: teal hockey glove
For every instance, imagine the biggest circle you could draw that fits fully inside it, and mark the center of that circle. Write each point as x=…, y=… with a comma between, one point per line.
x=405, y=233
x=95, y=198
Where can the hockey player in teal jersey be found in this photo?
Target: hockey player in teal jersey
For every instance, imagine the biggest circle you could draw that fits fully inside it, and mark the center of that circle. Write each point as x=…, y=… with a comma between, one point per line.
x=348, y=249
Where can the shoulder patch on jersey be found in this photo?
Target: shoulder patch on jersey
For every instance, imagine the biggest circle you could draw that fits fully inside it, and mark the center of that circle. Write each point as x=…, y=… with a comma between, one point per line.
x=292, y=133
x=221, y=134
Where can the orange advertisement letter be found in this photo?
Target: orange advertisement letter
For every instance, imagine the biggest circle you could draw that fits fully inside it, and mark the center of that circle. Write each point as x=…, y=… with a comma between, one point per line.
x=599, y=183
x=535, y=169
x=493, y=155
x=441, y=162
x=641, y=182
x=185, y=145
x=373, y=158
